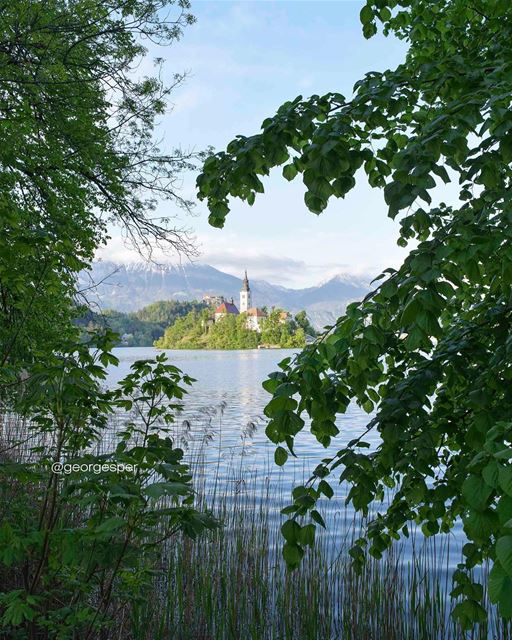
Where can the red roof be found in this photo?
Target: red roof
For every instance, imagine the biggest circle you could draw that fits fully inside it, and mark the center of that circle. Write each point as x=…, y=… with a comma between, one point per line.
x=226, y=307
x=259, y=313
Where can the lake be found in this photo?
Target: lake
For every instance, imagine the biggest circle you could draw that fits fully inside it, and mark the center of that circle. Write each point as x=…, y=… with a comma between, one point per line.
x=223, y=423
x=227, y=402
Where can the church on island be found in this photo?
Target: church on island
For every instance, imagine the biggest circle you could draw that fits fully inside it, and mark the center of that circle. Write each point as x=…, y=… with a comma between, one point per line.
x=254, y=315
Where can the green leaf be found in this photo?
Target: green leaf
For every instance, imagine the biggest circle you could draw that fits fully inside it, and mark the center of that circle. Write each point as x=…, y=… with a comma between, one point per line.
x=290, y=171
x=318, y=518
x=280, y=456
x=291, y=531
x=292, y=554
x=500, y=589
x=321, y=187
x=307, y=535
x=410, y=312
x=504, y=553
x=505, y=479
x=314, y=203
x=325, y=488
x=271, y=384
x=286, y=389
x=110, y=525
x=219, y=212
x=366, y=14
x=476, y=492
x=469, y=612
x=504, y=508
x=158, y=489
x=384, y=14
x=278, y=405
x=480, y=525
x=490, y=474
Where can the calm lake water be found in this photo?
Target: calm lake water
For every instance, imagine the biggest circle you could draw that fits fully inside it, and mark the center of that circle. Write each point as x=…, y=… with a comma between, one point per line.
x=223, y=423
x=225, y=407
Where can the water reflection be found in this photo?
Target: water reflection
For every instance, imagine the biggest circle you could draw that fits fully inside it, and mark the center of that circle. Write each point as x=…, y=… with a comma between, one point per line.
x=222, y=428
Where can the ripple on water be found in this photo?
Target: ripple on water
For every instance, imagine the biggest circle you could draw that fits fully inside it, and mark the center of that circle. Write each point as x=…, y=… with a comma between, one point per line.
x=222, y=429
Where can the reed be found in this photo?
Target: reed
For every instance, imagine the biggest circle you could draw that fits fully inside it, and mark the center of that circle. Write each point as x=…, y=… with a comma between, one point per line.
x=231, y=583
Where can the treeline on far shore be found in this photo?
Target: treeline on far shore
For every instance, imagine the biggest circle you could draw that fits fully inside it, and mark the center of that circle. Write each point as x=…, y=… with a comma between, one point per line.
x=138, y=328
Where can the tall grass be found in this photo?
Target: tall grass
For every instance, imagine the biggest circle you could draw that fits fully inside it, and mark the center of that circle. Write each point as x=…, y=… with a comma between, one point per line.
x=232, y=584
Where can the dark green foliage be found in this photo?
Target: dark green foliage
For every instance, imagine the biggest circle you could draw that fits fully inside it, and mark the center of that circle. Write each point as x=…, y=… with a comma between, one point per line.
x=165, y=312
x=79, y=544
x=188, y=332
x=428, y=352
x=76, y=152
x=286, y=333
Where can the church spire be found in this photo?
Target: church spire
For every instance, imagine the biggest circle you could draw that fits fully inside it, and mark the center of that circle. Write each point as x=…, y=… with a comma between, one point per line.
x=245, y=294
x=245, y=283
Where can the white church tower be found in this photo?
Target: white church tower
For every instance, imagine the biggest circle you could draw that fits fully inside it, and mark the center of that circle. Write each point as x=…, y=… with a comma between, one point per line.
x=245, y=295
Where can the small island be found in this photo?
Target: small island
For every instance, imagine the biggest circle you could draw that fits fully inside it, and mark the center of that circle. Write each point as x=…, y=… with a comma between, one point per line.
x=224, y=326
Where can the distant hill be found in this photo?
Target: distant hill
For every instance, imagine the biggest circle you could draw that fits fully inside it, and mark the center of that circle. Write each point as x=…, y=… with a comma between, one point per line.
x=138, y=328
x=128, y=287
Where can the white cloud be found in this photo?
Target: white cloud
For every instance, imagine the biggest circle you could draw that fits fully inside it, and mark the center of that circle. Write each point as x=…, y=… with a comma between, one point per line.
x=230, y=256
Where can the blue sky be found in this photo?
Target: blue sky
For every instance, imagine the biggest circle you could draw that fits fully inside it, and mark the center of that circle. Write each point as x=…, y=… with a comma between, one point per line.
x=244, y=59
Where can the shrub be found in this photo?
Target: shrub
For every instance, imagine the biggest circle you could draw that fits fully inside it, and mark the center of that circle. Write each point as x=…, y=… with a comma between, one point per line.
x=87, y=506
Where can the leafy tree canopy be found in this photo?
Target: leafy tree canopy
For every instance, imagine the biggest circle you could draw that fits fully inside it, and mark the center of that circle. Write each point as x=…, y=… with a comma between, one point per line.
x=428, y=352
x=188, y=332
x=302, y=320
x=166, y=311
x=276, y=330
x=197, y=330
x=98, y=528
x=77, y=150
x=231, y=332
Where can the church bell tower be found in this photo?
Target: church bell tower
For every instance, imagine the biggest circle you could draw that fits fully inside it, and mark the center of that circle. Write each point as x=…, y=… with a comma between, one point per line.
x=245, y=295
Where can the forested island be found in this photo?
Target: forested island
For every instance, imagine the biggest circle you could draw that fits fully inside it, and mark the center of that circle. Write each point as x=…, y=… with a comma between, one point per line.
x=197, y=330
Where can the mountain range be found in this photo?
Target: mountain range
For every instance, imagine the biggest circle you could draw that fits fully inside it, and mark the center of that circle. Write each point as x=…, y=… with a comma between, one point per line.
x=128, y=287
